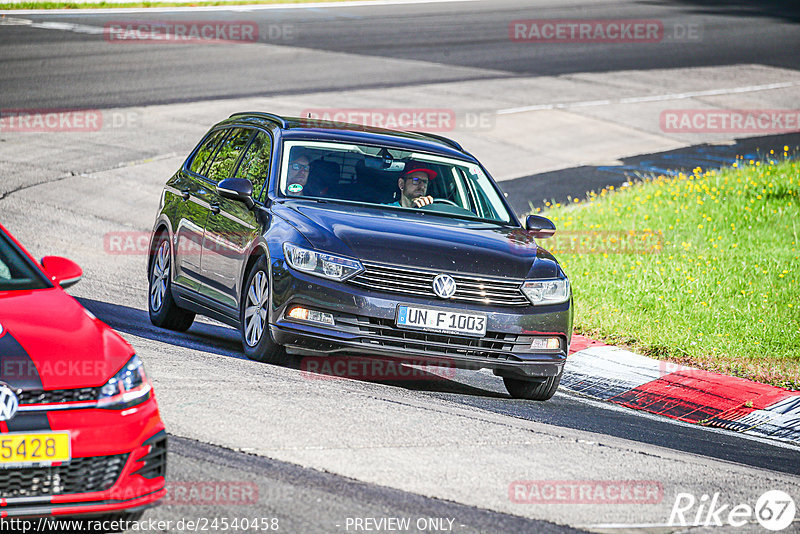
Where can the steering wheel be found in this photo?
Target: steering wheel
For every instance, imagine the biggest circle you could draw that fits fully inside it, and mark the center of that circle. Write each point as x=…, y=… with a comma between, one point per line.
x=445, y=201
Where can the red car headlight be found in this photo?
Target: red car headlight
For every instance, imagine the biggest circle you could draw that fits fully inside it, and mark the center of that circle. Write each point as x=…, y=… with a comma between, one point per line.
x=127, y=388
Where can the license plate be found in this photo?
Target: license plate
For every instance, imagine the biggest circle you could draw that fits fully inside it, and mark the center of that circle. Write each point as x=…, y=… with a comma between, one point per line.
x=442, y=321
x=45, y=447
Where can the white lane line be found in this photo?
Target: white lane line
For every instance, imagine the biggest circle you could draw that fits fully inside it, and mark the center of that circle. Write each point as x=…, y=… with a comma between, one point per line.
x=651, y=98
x=61, y=26
x=237, y=8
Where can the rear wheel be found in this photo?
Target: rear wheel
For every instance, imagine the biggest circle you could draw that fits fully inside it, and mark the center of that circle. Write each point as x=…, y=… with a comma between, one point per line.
x=164, y=312
x=254, y=315
x=539, y=390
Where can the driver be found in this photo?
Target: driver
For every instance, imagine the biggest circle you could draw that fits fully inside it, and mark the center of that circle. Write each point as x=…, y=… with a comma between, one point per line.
x=297, y=177
x=413, y=185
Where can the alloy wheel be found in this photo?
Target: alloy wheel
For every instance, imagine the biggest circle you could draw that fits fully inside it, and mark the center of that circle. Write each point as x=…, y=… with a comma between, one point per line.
x=160, y=276
x=255, y=314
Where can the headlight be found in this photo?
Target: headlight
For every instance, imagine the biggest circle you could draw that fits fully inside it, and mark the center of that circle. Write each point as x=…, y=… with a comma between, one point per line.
x=321, y=264
x=553, y=291
x=127, y=388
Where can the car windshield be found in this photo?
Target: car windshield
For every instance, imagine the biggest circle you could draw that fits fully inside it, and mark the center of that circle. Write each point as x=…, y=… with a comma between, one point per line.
x=389, y=177
x=16, y=273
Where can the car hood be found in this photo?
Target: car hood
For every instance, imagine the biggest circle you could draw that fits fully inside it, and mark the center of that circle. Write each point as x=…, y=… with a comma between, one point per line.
x=50, y=341
x=414, y=239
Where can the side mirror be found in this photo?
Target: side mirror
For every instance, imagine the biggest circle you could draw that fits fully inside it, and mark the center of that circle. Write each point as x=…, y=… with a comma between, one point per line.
x=239, y=189
x=540, y=226
x=61, y=271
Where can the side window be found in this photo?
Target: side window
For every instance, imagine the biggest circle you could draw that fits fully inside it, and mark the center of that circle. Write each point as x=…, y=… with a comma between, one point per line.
x=206, y=151
x=255, y=162
x=485, y=209
x=228, y=154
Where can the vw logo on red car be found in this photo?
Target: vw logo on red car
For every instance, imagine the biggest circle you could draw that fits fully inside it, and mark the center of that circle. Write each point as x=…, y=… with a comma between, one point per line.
x=8, y=403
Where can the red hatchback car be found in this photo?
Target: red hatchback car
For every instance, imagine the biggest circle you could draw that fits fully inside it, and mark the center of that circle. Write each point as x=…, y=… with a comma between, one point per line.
x=80, y=432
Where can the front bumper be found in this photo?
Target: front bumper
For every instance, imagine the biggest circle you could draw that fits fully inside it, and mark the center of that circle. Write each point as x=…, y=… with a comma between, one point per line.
x=365, y=326
x=118, y=464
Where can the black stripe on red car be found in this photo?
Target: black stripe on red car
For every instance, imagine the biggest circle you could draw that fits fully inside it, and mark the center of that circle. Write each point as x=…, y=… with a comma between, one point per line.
x=25, y=422
x=16, y=366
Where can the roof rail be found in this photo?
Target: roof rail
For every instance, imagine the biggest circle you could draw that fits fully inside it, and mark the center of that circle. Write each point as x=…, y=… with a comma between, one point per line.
x=441, y=138
x=274, y=118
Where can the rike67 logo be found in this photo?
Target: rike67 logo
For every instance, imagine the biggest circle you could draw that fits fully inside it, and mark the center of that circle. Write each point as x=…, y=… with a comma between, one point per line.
x=774, y=510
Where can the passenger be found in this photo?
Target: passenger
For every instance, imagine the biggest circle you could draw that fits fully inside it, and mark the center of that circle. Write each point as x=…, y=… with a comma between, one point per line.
x=413, y=185
x=297, y=176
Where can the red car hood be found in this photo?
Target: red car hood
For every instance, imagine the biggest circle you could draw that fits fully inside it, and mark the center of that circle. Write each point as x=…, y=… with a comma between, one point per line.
x=48, y=340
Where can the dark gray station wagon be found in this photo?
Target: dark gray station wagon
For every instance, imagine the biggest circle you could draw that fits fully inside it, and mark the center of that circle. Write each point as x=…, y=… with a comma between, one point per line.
x=318, y=239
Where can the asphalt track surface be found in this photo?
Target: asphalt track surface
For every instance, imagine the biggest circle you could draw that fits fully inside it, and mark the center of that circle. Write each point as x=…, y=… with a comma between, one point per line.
x=486, y=392
x=58, y=68
x=466, y=40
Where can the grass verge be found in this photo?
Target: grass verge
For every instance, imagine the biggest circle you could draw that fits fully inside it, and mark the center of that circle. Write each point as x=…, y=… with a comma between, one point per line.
x=698, y=269
x=108, y=5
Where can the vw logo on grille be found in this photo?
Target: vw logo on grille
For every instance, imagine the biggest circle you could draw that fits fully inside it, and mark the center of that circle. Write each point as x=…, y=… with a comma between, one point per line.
x=8, y=403
x=444, y=286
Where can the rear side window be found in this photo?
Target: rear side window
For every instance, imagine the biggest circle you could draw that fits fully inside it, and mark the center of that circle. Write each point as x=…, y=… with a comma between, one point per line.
x=206, y=151
x=255, y=162
x=228, y=154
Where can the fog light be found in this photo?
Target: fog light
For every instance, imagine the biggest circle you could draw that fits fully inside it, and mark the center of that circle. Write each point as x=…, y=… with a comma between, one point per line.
x=314, y=316
x=298, y=313
x=546, y=343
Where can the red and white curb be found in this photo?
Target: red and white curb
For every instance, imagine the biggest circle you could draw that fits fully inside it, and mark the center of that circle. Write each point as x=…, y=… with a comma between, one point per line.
x=691, y=395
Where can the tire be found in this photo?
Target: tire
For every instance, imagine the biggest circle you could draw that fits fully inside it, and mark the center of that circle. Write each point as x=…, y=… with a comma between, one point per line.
x=538, y=390
x=163, y=310
x=257, y=341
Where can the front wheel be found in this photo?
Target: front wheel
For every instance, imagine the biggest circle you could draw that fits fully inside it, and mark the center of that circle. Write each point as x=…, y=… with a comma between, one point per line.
x=163, y=310
x=254, y=317
x=539, y=390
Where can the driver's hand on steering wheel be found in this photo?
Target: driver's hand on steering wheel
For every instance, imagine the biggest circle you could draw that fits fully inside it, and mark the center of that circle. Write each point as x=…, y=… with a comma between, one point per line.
x=422, y=201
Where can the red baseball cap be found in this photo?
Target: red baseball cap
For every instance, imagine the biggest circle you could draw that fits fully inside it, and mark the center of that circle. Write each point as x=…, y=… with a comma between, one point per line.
x=417, y=166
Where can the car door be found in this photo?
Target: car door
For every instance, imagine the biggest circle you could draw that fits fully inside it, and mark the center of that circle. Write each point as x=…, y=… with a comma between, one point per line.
x=230, y=226
x=189, y=193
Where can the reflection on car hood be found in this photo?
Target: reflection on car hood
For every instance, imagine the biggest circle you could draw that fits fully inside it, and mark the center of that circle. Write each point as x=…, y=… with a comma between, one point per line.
x=49, y=341
x=414, y=239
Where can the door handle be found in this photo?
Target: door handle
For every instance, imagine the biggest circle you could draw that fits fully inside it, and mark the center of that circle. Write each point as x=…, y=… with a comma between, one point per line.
x=185, y=195
x=214, y=209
